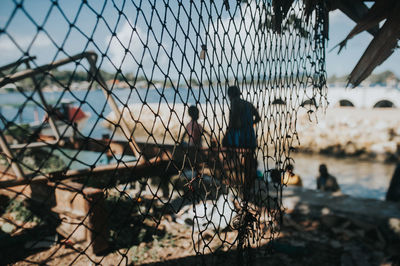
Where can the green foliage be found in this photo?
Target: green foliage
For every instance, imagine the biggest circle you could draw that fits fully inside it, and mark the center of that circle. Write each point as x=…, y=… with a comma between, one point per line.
x=34, y=159
x=67, y=76
x=21, y=212
x=292, y=23
x=19, y=132
x=373, y=78
x=382, y=77
x=334, y=79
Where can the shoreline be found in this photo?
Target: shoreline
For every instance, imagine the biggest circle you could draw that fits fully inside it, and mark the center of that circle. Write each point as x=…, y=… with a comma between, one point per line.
x=372, y=134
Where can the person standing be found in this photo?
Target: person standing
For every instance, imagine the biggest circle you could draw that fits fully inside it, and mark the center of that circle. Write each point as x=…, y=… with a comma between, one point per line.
x=241, y=143
x=242, y=118
x=193, y=129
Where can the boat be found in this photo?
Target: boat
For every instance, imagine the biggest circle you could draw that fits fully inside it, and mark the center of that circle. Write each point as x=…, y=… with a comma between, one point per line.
x=67, y=118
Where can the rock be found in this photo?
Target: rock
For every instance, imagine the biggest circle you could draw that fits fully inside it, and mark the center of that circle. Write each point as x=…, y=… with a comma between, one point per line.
x=350, y=148
x=210, y=214
x=346, y=260
x=359, y=258
x=363, y=225
x=287, y=221
x=380, y=125
x=325, y=211
x=8, y=228
x=394, y=225
x=330, y=220
x=335, y=244
x=384, y=147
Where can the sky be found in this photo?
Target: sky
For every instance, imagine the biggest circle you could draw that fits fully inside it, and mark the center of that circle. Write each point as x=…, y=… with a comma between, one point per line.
x=21, y=34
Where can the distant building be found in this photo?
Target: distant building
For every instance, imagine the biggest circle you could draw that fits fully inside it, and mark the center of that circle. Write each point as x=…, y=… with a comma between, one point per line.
x=373, y=96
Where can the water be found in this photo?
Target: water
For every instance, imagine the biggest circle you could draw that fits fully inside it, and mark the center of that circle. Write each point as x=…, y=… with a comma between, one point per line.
x=357, y=178
x=81, y=159
x=93, y=102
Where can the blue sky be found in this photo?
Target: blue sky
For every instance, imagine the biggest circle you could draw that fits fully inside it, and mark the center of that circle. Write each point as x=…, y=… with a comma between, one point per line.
x=23, y=32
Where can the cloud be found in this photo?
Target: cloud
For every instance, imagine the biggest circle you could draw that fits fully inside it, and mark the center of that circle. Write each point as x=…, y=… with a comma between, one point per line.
x=23, y=42
x=127, y=49
x=233, y=39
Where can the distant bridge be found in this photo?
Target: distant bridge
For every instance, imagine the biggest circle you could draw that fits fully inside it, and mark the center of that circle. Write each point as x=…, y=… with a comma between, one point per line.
x=364, y=97
x=361, y=97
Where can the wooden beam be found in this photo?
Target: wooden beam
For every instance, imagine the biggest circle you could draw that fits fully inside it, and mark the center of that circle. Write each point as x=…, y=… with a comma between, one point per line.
x=380, y=48
x=376, y=14
x=45, y=68
x=135, y=168
x=10, y=157
x=126, y=130
x=16, y=64
x=355, y=10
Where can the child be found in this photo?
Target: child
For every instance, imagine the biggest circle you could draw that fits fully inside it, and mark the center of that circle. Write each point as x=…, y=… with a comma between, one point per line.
x=193, y=129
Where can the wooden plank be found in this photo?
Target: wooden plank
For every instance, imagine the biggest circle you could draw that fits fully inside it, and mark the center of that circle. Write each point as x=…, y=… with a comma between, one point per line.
x=83, y=215
x=135, y=169
x=17, y=63
x=355, y=10
x=376, y=14
x=126, y=130
x=42, y=69
x=10, y=157
x=380, y=48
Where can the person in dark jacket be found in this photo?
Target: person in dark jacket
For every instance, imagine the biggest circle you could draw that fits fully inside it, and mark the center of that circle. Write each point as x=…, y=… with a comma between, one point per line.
x=241, y=142
x=242, y=117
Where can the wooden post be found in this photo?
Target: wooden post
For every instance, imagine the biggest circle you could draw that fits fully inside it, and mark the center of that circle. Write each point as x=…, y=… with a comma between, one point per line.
x=46, y=107
x=83, y=215
x=10, y=157
x=124, y=126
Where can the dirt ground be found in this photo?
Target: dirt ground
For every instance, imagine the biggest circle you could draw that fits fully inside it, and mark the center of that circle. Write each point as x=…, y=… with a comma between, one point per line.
x=302, y=240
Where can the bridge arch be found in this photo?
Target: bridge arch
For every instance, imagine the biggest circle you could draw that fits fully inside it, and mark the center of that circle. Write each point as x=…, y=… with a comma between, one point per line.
x=345, y=103
x=310, y=102
x=384, y=104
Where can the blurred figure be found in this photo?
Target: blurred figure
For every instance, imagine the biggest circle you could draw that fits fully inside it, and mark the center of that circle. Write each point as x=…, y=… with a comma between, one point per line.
x=290, y=178
x=193, y=129
x=240, y=141
x=393, y=193
x=242, y=117
x=325, y=181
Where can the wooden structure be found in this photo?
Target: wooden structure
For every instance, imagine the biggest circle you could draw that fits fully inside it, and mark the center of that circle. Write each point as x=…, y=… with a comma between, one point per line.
x=79, y=208
x=78, y=205
x=385, y=37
